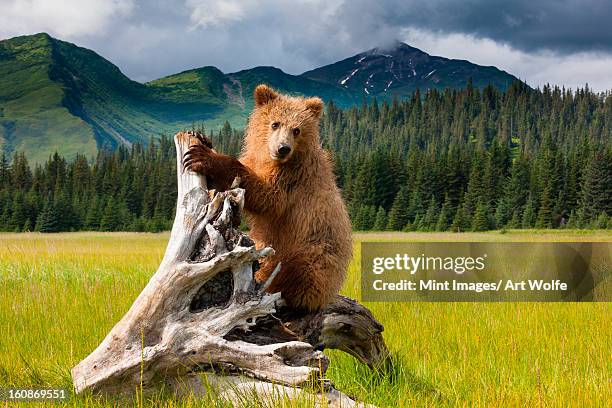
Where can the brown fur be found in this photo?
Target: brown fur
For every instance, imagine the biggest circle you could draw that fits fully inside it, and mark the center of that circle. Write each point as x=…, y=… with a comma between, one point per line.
x=293, y=204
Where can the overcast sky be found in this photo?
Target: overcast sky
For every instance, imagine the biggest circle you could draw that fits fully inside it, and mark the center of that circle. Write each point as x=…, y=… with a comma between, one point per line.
x=564, y=42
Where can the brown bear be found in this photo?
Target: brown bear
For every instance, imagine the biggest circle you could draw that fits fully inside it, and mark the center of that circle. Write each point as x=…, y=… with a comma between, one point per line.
x=291, y=198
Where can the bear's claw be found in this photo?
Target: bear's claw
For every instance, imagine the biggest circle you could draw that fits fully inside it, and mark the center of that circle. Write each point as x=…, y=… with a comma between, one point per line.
x=205, y=140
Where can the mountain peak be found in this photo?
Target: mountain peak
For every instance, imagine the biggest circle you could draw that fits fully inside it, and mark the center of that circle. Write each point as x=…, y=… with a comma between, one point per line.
x=262, y=69
x=398, y=69
x=31, y=37
x=397, y=49
x=41, y=35
x=27, y=43
x=394, y=47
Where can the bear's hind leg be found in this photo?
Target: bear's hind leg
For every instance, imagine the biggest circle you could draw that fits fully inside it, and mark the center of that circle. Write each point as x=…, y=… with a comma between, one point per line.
x=308, y=279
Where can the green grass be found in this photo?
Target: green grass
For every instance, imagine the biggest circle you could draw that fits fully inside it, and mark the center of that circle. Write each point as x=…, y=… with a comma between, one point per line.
x=60, y=294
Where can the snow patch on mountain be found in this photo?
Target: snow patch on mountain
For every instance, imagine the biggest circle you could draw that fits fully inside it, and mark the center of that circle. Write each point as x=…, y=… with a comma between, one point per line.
x=349, y=77
x=368, y=80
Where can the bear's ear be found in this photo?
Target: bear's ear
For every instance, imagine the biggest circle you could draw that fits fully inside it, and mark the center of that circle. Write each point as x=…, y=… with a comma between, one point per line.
x=314, y=105
x=264, y=94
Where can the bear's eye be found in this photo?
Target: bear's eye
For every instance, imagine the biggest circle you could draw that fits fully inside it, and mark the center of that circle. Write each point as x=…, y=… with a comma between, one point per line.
x=275, y=125
x=296, y=131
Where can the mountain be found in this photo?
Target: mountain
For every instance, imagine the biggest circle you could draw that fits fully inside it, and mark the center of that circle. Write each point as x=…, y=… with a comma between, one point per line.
x=235, y=90
x=56, y=96
x=401, y=69
x=293, y=84
x=33, y=107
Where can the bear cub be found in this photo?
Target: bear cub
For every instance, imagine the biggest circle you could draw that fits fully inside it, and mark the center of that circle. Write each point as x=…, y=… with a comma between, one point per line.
x=292, y=202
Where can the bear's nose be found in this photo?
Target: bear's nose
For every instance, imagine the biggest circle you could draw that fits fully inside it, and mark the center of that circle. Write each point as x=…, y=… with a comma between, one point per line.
x=284, y=149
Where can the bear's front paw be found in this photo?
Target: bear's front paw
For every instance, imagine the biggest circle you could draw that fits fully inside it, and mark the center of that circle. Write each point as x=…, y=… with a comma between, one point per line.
x=205, y=140
x=199, y=158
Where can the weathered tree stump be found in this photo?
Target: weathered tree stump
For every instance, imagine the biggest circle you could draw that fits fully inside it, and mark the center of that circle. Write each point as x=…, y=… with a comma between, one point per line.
x=202, y=311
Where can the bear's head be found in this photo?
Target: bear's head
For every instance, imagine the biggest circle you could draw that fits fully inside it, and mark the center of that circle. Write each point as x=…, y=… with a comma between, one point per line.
x=288, y=126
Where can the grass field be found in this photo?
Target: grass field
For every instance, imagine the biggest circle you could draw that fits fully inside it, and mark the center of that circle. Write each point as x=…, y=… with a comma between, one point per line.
x=60, y=294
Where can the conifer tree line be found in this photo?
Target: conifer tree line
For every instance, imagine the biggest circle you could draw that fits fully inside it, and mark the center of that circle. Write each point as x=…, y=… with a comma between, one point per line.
x=129, y=189
x=475, y=160
x=453, y=160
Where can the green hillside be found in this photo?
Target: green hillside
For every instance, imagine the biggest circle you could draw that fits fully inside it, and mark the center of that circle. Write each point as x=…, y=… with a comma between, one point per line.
x=34, y=116
x=56, y=96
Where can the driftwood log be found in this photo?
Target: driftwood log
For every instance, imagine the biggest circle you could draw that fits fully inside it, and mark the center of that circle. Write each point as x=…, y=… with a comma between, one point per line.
x=203, y=312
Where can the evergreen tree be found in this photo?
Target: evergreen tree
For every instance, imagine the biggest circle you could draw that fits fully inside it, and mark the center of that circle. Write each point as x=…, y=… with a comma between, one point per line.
x=597, y=186
x=93, y=215
x=443, y=218
x=428, y=222
x=5, y=215
x=21, y=175
x=111, y=218
x=5, y=175
x=18, y=215
x=49, y=219
x=398, y=215
x=380, y=222
x=158, y=223
x=529, y=215
x=360, y=221
x=460, y=223
x=544, y=219
x=601, y=222
x=501, y=214
x=515, y=221
x=480, y=222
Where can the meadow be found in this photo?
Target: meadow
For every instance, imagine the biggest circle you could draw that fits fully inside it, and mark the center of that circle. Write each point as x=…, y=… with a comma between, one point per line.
x=61, y=293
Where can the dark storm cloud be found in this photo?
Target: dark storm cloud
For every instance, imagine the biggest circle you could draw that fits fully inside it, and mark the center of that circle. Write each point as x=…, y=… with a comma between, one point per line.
x=149, y=39
x=564, y=26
